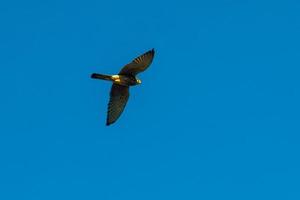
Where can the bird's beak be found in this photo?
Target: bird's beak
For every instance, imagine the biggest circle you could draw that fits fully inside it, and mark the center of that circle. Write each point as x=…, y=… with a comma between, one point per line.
x=139, y=81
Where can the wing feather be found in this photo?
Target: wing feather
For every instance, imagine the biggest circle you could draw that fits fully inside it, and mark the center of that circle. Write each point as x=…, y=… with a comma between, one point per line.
x=118, y=98
x=139, y=64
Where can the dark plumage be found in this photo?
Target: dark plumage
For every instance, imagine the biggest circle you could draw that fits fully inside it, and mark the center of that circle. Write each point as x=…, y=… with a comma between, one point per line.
x=119, y=93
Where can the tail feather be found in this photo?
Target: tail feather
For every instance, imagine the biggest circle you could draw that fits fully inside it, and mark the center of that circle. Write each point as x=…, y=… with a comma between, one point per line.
x=101, y=76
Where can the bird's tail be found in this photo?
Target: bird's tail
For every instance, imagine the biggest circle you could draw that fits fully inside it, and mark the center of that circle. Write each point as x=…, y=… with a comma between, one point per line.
x=101, y=76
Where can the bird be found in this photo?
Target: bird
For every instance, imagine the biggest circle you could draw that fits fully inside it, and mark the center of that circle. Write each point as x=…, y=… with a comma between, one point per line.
x=121, y=82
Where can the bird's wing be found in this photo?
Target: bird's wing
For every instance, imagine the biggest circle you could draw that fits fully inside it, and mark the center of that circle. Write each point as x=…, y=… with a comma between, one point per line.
x=139, y=64
x=118, y=98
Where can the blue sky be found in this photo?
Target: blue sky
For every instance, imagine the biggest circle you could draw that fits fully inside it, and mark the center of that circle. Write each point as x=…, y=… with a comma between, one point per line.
x=216, y=115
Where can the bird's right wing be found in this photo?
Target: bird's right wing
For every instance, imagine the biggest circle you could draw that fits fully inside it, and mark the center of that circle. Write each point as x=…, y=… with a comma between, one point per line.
x=118, y=98
x=139, y=64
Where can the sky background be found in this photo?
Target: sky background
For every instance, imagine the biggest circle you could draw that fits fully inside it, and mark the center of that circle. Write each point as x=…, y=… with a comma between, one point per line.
x=216, y=117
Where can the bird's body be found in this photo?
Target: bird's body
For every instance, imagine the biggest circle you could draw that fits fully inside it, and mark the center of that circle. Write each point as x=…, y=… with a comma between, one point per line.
x=119, y=93
x=124, y=80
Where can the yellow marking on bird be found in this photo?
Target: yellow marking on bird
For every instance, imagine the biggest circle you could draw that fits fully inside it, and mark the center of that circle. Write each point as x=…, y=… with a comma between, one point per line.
x=115, y=76
x=139, y=81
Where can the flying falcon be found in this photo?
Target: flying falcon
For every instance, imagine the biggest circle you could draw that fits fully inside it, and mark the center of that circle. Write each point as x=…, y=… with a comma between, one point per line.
x=119, y=92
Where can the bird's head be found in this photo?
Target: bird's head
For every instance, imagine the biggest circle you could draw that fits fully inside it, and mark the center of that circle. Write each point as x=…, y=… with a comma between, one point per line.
x=138, y=81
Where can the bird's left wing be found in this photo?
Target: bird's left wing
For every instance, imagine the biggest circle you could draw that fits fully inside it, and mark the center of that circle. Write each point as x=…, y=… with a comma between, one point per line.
x=118, y=98
x=139, y=64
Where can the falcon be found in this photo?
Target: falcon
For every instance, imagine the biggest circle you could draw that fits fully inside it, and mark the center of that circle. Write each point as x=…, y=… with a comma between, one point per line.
x=121, y=82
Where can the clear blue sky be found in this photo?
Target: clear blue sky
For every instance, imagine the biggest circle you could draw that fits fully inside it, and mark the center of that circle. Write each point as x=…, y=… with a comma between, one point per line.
x=216, y=117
